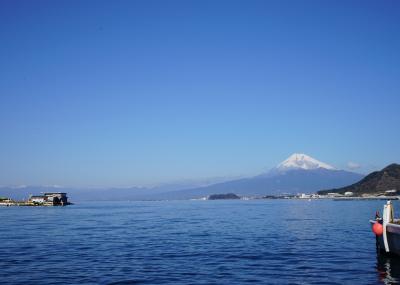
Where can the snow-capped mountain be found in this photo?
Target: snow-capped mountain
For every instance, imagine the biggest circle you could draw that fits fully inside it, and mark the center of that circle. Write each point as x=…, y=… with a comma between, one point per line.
x=299, y=173
x=302, y=161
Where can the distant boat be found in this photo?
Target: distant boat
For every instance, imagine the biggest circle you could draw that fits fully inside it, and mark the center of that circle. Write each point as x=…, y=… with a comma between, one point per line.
x=387, y=230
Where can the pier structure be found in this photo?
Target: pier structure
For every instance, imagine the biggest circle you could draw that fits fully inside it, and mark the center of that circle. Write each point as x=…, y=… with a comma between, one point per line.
x=47, y=199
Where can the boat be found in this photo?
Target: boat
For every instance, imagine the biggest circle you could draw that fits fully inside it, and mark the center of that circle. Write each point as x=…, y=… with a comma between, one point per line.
x=387, y=230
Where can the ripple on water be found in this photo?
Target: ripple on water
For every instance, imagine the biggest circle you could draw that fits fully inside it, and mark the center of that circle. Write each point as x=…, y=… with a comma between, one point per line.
x=193, y=242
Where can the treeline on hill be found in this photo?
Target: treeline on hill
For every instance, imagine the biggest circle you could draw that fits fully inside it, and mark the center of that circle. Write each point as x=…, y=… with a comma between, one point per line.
x=374, y=183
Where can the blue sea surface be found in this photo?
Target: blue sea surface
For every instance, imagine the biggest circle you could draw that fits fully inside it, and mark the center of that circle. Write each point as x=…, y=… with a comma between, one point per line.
x=194, y=242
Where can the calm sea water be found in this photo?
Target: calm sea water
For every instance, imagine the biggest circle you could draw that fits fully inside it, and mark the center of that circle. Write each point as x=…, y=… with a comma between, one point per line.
x=193, y=242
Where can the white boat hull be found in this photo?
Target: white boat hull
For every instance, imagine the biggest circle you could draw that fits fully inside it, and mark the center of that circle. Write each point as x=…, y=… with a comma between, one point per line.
x=393, y=238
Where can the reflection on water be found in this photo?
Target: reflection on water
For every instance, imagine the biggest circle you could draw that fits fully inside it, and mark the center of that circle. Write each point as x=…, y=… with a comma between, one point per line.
x=388, y=268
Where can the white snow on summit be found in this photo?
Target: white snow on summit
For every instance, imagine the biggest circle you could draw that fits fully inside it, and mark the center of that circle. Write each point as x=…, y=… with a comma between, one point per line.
x=302, y=161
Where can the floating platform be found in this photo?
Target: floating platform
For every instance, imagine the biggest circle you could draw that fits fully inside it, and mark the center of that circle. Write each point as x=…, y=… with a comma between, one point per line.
x=47, y=199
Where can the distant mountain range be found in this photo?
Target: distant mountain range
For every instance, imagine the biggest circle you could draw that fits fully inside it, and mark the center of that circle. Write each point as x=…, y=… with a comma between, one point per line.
x=376, y=182
x=108, y=194
x=299, y=173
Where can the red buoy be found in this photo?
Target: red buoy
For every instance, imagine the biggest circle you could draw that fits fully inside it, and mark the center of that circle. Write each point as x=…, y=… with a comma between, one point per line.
x=377, y=228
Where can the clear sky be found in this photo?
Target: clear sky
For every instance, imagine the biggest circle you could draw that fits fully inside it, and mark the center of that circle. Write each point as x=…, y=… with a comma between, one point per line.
x=120, y=93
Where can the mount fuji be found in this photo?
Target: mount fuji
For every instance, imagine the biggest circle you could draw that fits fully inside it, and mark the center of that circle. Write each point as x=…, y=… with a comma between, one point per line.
x=299, y=173
x=302, y=161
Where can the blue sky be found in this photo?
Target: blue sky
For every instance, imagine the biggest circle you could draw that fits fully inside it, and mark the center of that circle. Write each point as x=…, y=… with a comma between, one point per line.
x=120, y=93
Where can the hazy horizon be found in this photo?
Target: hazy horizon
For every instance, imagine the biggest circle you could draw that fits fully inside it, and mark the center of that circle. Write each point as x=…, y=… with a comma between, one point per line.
x=179, y=183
